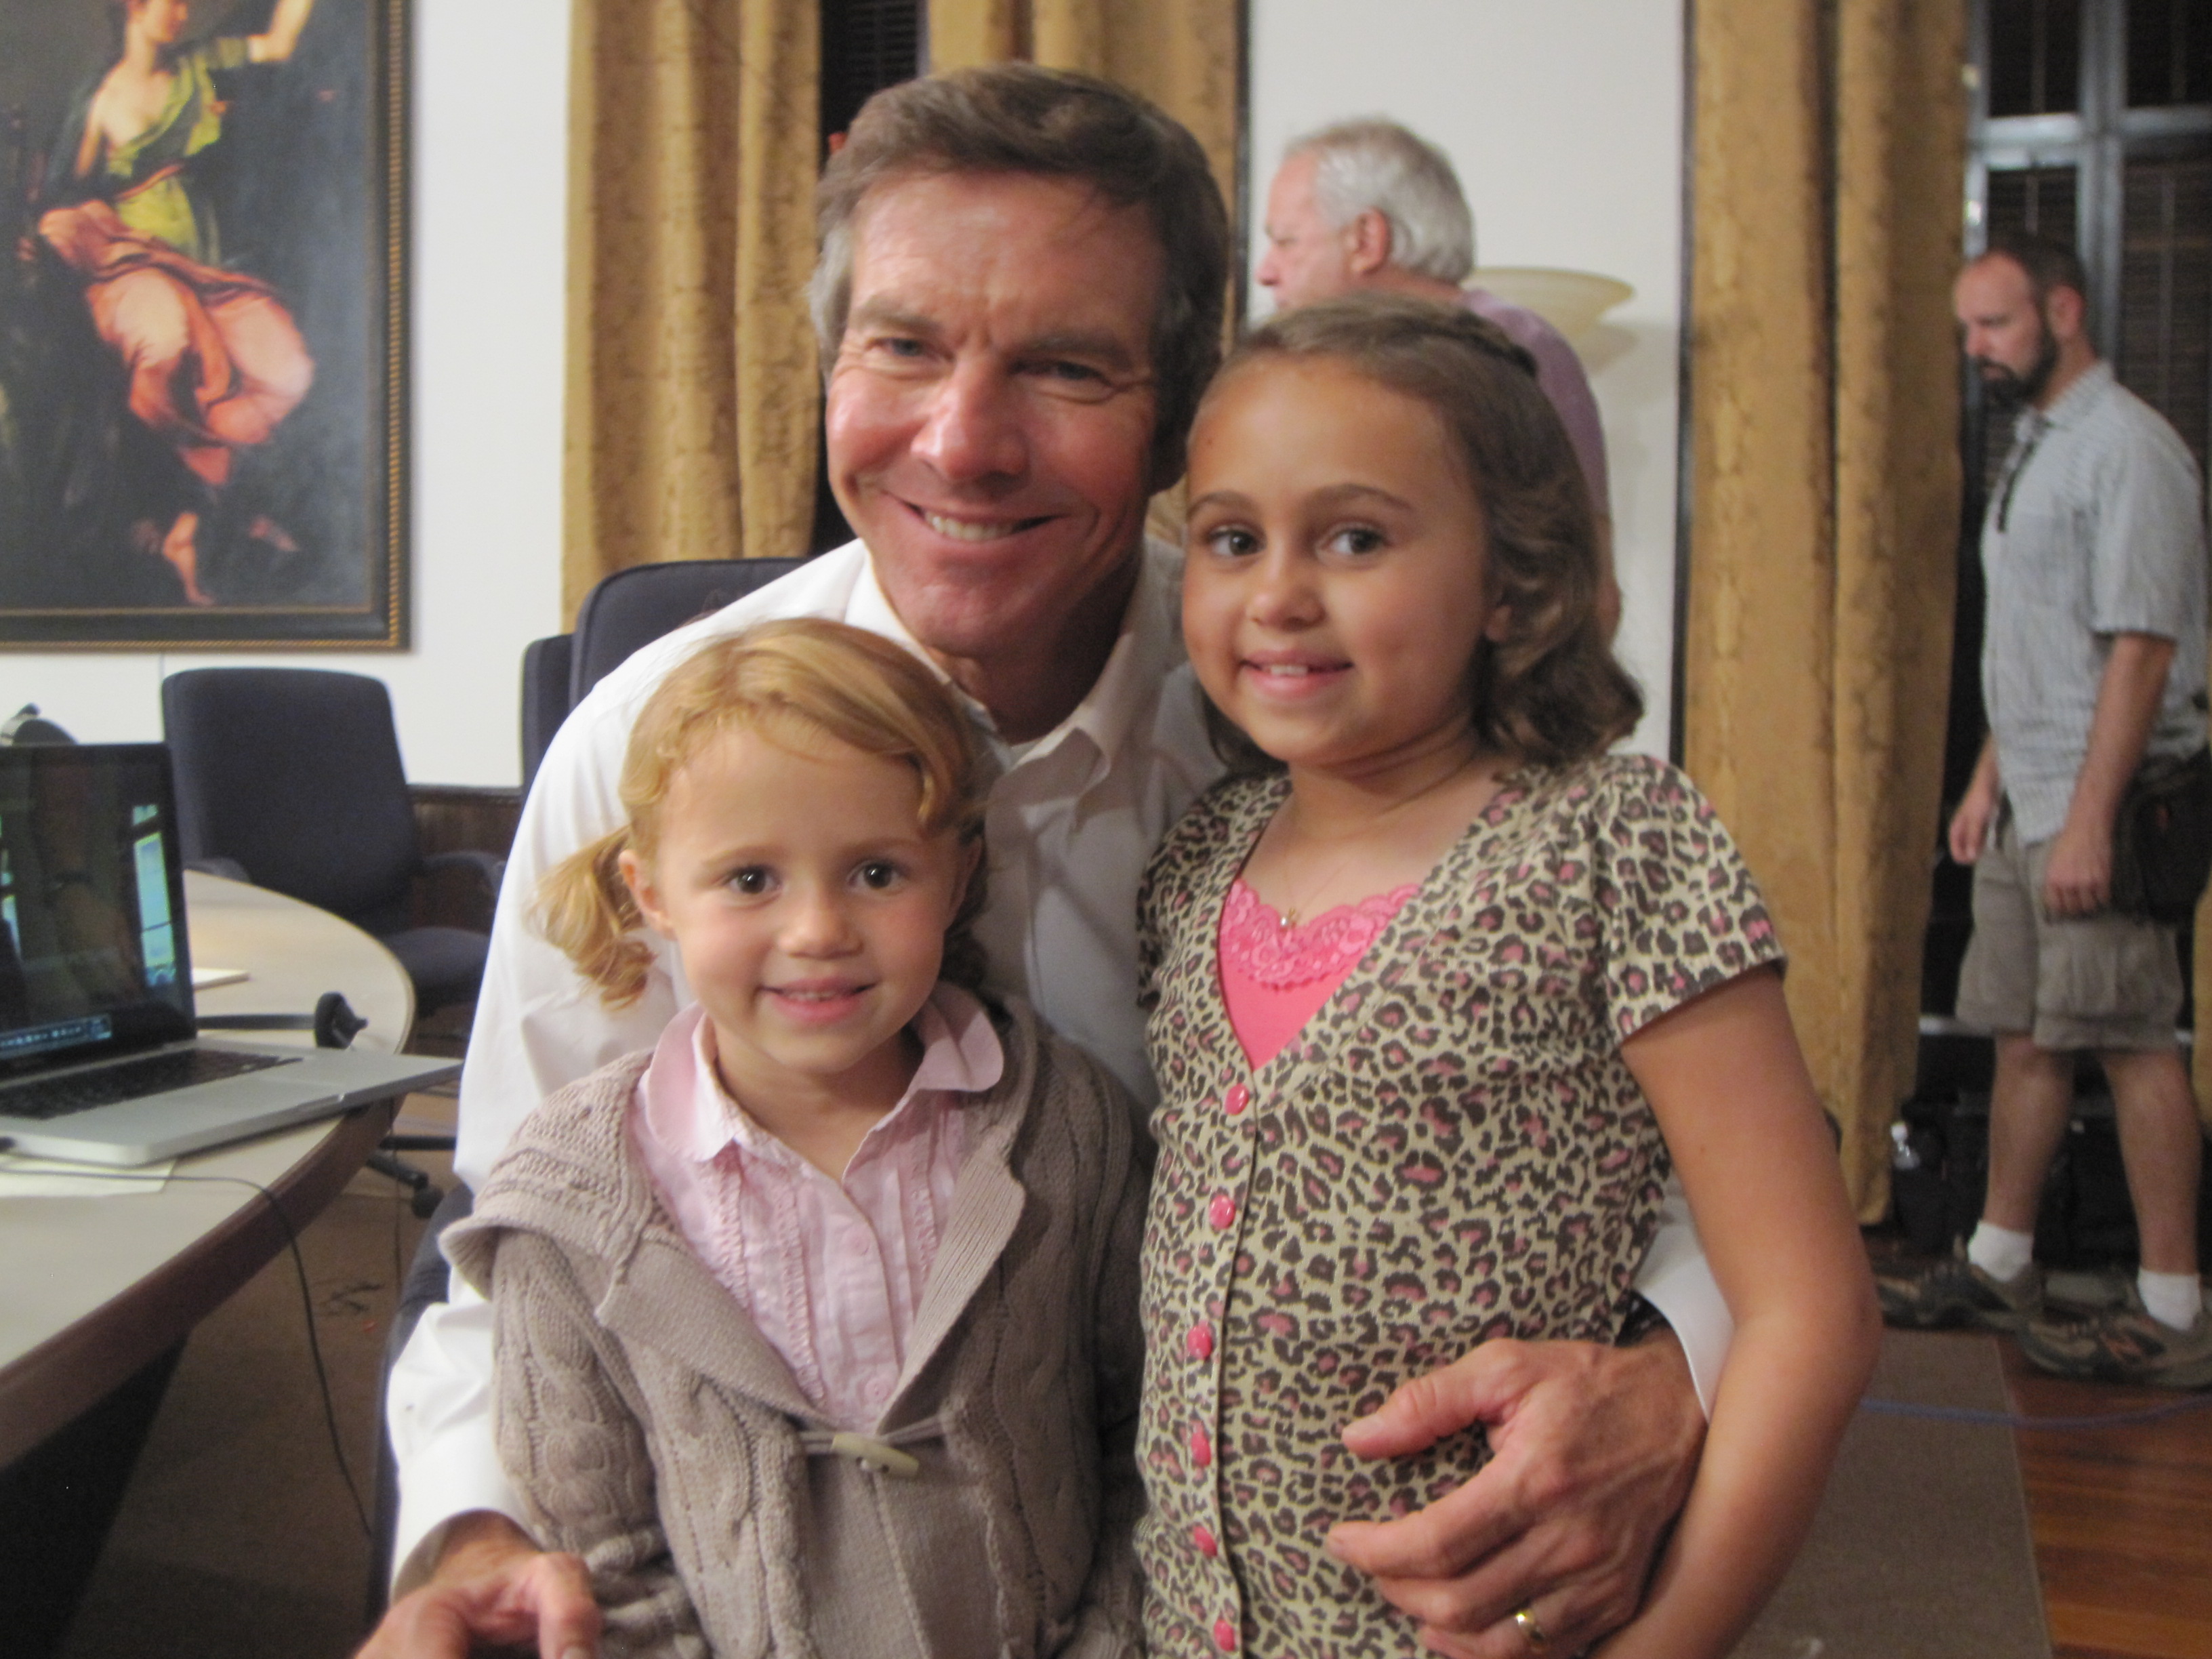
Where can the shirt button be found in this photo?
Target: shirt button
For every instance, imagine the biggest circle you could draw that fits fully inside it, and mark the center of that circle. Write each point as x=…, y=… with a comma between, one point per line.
x=1224, y=1636
x=1202, y=1541
x=1198, y=1345
x=1201, y=1451
x=1237, y=1099
x=1221, y=1212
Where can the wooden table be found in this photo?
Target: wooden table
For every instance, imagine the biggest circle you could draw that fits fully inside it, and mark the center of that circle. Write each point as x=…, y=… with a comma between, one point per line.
x=95, y=1288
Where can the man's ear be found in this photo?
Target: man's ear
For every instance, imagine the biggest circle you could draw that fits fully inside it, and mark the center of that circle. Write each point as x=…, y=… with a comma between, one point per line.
x=2063, y=312
x=643, y=893
x=1367, y=242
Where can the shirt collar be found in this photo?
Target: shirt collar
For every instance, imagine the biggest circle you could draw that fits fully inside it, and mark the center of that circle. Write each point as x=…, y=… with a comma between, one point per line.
x=869, y=608
x=2078, y=399
x=687, y=1112
x=1148, y=648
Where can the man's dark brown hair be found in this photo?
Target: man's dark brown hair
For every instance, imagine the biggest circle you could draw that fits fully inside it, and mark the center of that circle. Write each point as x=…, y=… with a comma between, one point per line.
x=2048, y=264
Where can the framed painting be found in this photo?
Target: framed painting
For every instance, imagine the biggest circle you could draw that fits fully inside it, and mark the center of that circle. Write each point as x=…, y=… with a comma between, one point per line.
x=202, y=403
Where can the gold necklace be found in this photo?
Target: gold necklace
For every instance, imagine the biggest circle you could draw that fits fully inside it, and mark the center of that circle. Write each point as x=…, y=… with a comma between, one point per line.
x=1288, y=919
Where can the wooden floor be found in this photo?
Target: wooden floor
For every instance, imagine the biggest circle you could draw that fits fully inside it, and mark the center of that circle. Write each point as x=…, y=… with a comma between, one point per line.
x=2122, y=1518
x=238, y=1540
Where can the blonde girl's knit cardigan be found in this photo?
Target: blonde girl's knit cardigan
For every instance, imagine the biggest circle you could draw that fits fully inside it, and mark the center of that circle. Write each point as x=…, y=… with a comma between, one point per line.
x=652, y=1430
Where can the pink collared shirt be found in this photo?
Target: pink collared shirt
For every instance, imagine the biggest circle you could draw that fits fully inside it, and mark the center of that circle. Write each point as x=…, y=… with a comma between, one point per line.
x=831, y=1272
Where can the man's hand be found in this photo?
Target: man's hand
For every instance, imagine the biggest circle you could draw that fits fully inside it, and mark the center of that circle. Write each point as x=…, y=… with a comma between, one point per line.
x=1594, y=1449
x=1970, y=824
x=2077, y=878
x=493, y=1589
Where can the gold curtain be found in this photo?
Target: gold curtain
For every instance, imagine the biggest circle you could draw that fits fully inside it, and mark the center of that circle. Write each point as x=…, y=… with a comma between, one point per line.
x=692, y=398
x=1181, y=54
x=1828, y=150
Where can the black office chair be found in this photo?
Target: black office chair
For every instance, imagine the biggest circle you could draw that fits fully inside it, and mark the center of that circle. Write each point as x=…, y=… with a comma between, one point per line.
x=631, y=608
x=290, y=778
x=26, y=728
x=545, y=697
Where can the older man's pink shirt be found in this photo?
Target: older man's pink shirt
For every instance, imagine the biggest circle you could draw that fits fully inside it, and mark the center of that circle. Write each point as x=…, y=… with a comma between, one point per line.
x=1559, y=373
x=831, y=1272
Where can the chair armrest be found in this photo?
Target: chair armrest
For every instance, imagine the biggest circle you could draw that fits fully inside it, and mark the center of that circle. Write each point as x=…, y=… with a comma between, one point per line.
x=212, y=865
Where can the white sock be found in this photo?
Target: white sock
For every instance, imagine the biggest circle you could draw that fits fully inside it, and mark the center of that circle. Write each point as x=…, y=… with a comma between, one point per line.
x=2172, y=1299
x=1999, y=1251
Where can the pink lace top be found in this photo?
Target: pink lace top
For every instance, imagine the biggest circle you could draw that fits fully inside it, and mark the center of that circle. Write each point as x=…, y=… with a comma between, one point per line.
x=1275, y=976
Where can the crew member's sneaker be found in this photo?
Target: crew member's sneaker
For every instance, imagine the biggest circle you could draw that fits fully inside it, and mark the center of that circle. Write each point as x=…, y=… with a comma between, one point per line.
x=2124, y=1345
x=1956, y=1292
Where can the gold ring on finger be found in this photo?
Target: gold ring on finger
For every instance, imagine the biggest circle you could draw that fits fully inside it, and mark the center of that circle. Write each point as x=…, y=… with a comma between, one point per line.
x=1525, y=1621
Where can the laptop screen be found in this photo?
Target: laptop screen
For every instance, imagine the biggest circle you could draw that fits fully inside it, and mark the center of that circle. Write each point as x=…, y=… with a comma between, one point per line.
x=93, y=955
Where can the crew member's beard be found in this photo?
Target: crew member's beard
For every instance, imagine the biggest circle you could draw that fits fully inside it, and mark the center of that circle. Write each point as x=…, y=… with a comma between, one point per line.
x=2011, y=391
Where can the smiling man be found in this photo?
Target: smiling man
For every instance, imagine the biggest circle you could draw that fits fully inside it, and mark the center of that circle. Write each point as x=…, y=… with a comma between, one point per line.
x=1019, y=296
x=991, y=411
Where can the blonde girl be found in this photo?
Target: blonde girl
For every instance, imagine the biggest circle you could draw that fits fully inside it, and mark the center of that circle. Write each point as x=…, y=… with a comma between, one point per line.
x=815, y=1323
x=1440, y=990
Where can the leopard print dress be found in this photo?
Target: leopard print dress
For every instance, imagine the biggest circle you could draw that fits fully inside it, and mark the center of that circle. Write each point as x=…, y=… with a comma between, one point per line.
x=1451, y=1150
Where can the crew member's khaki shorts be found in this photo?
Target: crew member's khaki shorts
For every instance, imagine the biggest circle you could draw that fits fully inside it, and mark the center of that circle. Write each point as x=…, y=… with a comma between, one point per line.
x=2098, y=981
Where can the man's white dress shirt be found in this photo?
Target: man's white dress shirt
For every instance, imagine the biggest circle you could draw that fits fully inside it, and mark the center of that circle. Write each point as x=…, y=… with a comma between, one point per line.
x=1072, y=822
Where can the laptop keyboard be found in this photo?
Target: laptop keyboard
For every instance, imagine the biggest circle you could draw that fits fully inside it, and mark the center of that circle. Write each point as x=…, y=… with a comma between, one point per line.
x=132, y=1080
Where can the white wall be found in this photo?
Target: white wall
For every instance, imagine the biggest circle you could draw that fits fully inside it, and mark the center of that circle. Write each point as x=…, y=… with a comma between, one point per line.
x=1565, y=120
x=490, y=138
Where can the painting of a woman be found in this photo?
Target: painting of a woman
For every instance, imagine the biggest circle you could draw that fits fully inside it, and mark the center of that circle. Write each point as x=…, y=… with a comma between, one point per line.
x=214, y=358
x=197, y=362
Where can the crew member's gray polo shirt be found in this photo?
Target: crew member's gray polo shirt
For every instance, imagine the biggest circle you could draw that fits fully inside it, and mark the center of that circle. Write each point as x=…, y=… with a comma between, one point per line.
x=2096, y=528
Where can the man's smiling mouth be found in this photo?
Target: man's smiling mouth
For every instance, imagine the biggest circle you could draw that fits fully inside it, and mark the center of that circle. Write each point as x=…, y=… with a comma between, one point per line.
x=977, y=530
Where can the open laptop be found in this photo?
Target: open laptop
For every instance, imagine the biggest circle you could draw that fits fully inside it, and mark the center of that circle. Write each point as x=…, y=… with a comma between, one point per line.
x=100, y=1058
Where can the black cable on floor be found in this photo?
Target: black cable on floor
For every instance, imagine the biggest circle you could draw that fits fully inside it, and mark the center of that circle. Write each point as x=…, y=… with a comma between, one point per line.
x=306, y=1304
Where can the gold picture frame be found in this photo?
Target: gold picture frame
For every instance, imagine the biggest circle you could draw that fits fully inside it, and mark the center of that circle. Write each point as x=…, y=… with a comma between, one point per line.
x=202, y=397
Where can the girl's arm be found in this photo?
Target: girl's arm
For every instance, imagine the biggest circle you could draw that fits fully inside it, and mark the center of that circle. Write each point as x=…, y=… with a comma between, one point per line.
x=579, y=1457
x=1733, y=1098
